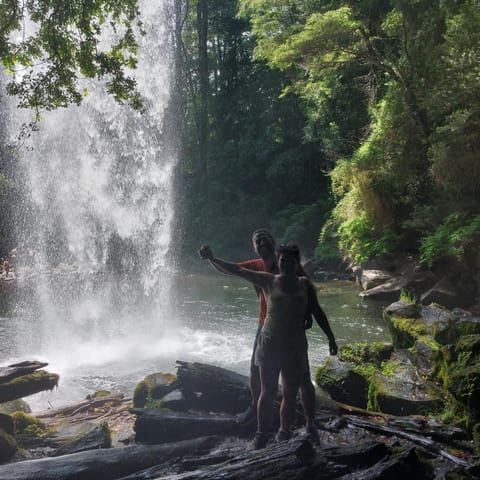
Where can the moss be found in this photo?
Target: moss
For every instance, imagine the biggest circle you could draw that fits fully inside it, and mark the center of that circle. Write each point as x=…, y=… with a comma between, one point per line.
x=476, y=437
x=27, y=385
x=28, y=424
x=358, y=353
x=99, y=394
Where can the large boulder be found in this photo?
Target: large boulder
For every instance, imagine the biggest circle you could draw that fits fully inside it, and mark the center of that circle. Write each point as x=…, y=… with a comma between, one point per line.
x=372, y=278
x=443, y=293
x=399, y=389
x=342, y=382
x=463, y=379
x=416, y=282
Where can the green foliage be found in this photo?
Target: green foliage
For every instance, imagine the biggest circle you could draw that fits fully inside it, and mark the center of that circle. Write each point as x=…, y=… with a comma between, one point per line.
x=408, y=296
x=60, y=42
x=450, y=237
x=27, y=424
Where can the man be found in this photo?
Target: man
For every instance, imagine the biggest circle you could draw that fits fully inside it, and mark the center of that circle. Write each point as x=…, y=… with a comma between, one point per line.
x=264, y=246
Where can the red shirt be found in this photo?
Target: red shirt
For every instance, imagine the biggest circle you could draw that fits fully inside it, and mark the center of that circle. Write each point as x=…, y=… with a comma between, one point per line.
x=258, y=265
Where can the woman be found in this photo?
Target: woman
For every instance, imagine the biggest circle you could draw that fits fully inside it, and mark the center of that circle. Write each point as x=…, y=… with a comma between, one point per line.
x=282, y=345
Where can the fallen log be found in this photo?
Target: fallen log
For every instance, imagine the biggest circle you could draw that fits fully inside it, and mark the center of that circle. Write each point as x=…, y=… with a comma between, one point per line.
x=83, y=406
x=160, y=426
x=400, y=466
x=106, y=464
x=29, y=384
x=420, y=440
x=19, y=369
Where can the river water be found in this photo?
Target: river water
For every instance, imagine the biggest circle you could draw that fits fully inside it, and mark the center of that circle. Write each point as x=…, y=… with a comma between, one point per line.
x=210, y=318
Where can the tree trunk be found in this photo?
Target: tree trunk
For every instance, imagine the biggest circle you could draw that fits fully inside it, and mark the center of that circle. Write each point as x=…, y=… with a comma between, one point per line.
x=202, y=113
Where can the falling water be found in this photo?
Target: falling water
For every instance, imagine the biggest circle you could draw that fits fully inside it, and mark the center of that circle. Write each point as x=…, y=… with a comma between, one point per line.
x=100, y=206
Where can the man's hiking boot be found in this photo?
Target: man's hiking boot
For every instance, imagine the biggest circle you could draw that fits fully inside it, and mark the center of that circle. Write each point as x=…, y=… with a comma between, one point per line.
x=259, y=441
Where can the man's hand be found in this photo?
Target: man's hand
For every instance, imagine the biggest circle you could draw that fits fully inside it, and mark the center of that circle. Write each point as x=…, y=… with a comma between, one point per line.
x=205, y=252
x=332, y=347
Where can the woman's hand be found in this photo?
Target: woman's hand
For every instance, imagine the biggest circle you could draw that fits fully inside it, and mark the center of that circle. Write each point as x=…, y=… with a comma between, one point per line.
x=332, y=346
x=205, y=252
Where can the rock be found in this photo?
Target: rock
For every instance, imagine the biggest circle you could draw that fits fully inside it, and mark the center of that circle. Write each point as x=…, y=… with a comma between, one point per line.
x=464, y=372
x=403, y=392
x=443, y=293
x=388, y=291
x=89, y=436
x=18, y=405
x=403, y=309
x=213, y=389
x=6, y=423
x=372, y=278
x=454, y=327
x=154, y=387
x=361, y=353
x=342, y=382
x=416, y=282
x=8, y=447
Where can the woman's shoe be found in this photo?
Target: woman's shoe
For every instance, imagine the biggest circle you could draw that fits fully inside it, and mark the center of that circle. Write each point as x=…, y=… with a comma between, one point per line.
x=259, y=441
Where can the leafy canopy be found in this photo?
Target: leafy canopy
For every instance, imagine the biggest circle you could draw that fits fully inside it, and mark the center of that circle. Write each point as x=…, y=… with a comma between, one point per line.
x=48, y=45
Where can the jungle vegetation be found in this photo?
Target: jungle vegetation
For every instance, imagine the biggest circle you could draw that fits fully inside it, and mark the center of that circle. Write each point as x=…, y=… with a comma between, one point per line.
x=348, y=127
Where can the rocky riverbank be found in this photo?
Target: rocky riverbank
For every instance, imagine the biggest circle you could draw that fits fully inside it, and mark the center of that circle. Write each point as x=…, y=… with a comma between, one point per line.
x=185, y=426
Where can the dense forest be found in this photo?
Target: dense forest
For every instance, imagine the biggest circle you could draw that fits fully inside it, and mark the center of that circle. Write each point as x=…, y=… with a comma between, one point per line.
x=348, y=127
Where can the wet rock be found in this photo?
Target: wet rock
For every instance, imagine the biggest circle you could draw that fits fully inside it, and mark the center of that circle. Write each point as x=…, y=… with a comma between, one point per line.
x=372, y=278
x=454, y=327
x=403, y=309
x=403, y=391
x=342, y=383
x=89, y=436
x=154, y=387
x=444, y=293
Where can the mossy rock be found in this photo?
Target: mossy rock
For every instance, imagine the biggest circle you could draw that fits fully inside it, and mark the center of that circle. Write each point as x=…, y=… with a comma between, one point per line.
x=456, y=327
x=463, y=375
x=25, y=424
x=8, y=446
x=342, y=382
x=153, y=387
x=399, y=390
x=18, y=405
x=361, y=353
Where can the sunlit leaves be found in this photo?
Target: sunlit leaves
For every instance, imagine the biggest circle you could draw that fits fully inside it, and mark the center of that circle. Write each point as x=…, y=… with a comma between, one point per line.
x=49, y=44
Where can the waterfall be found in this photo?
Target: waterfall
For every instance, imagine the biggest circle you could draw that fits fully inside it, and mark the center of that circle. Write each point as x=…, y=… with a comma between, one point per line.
x=98, y=217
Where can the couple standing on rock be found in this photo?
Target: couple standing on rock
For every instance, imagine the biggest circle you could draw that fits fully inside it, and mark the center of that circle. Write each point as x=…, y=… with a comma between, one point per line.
x=287, y=302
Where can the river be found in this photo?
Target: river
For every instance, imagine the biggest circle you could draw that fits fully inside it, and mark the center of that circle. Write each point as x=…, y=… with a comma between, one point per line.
x=210, y=318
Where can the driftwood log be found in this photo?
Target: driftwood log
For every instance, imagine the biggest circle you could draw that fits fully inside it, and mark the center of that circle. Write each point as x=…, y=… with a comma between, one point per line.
x=83, y=406
x=158, y=426
x=107, y=464
x=293, y=460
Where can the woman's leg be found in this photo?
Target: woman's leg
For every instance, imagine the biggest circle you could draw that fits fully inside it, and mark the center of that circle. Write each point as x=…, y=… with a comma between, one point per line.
x=268, y=392
x=291, y=379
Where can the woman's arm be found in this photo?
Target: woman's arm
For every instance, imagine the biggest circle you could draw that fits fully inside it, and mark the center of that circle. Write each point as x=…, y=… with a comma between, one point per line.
x=261, y=279
x=320, y=317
